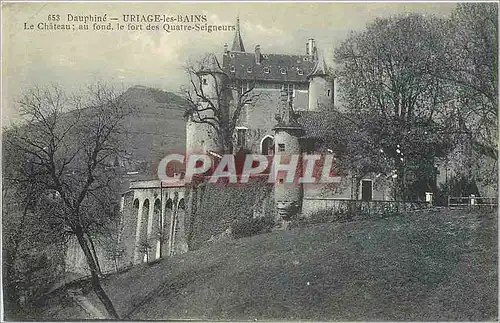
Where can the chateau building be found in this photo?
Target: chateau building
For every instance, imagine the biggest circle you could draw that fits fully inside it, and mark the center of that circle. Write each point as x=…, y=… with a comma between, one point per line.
x=301, y=79
x=292, y=92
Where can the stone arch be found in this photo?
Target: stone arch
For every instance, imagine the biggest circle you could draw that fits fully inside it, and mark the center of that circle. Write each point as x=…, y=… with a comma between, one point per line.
x=143, y=233
x=168, y=224
x=137, y=214
x=267, y=145
x=156, y=233
x=179, y=237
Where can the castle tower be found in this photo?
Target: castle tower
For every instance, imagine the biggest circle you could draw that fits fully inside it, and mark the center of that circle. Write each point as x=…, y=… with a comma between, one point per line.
x=320, y=87
x=201, y=137
x=287, y=195
x=237, y=41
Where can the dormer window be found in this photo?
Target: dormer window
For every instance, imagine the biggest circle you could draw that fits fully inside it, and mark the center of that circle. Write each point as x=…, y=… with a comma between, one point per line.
x=300, y=72
x=249, y=70
x=283, y=70
x=266, y=70
x=231, y=55
x=305, y=59
x=205, y=82
x=232, y=69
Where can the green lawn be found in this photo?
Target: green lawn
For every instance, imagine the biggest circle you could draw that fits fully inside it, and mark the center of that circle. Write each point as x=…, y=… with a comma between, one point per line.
x=432, y=266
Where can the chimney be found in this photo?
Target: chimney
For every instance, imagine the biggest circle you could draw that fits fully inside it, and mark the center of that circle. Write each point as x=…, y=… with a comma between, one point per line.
x=258, y=56
x=311, y=48
x=226, y=48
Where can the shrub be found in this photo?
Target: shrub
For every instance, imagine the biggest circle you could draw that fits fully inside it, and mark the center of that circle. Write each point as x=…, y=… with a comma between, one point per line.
x=328, y=215
x=250, y=226
x=389, y=210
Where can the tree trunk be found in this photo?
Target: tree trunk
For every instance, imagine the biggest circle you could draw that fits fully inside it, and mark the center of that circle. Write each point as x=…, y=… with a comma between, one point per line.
x=10, y=293
x=96, y=282
x=94, y=254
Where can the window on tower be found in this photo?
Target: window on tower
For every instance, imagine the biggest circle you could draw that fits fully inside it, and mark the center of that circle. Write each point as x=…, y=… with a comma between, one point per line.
x=329, y=92
x=241, y=137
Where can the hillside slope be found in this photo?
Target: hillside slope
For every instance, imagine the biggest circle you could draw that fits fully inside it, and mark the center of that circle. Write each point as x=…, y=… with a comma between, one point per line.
x=438, y=265
x=157, y=128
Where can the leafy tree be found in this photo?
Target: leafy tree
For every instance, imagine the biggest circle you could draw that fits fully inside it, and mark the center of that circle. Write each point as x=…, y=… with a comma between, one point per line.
x=217, y=99
x=471, y=66
x=387, y=80
x=70, y=143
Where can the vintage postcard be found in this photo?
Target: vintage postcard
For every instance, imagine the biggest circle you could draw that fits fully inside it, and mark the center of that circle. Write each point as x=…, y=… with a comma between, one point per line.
x=253, y=161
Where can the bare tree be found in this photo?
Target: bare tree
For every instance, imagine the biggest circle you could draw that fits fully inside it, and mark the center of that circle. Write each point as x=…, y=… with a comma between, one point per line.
x=72, y=141
x=217, y=99
x=21, y=234
x=145, y=246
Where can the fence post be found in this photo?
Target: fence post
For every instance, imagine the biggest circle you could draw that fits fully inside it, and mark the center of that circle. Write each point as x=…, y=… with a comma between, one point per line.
x=428, y=197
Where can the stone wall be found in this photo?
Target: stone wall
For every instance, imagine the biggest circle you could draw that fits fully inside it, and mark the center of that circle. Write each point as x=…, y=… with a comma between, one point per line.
x=215, y=207
x=312, y=205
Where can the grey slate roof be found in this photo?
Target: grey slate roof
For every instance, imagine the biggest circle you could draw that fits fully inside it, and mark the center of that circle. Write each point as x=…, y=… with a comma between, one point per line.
x=315, y=124
x=273, y=67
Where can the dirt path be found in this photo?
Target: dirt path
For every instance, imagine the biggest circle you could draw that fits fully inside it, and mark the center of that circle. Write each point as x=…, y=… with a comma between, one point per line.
x=84, y=303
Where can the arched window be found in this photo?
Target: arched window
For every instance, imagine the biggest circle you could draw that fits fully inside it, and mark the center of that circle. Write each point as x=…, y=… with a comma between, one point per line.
x=267, y=145
x=168, y=205
x=182, y=206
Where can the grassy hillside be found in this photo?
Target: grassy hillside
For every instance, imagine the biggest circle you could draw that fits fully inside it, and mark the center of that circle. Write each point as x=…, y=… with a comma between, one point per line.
x=437, y=265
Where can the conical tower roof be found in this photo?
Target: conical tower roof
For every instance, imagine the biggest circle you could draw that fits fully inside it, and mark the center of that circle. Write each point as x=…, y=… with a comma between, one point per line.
x=237, y=41
x=320, y=68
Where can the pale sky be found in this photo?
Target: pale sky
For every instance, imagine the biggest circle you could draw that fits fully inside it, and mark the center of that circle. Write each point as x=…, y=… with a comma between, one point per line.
x=74, y=59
